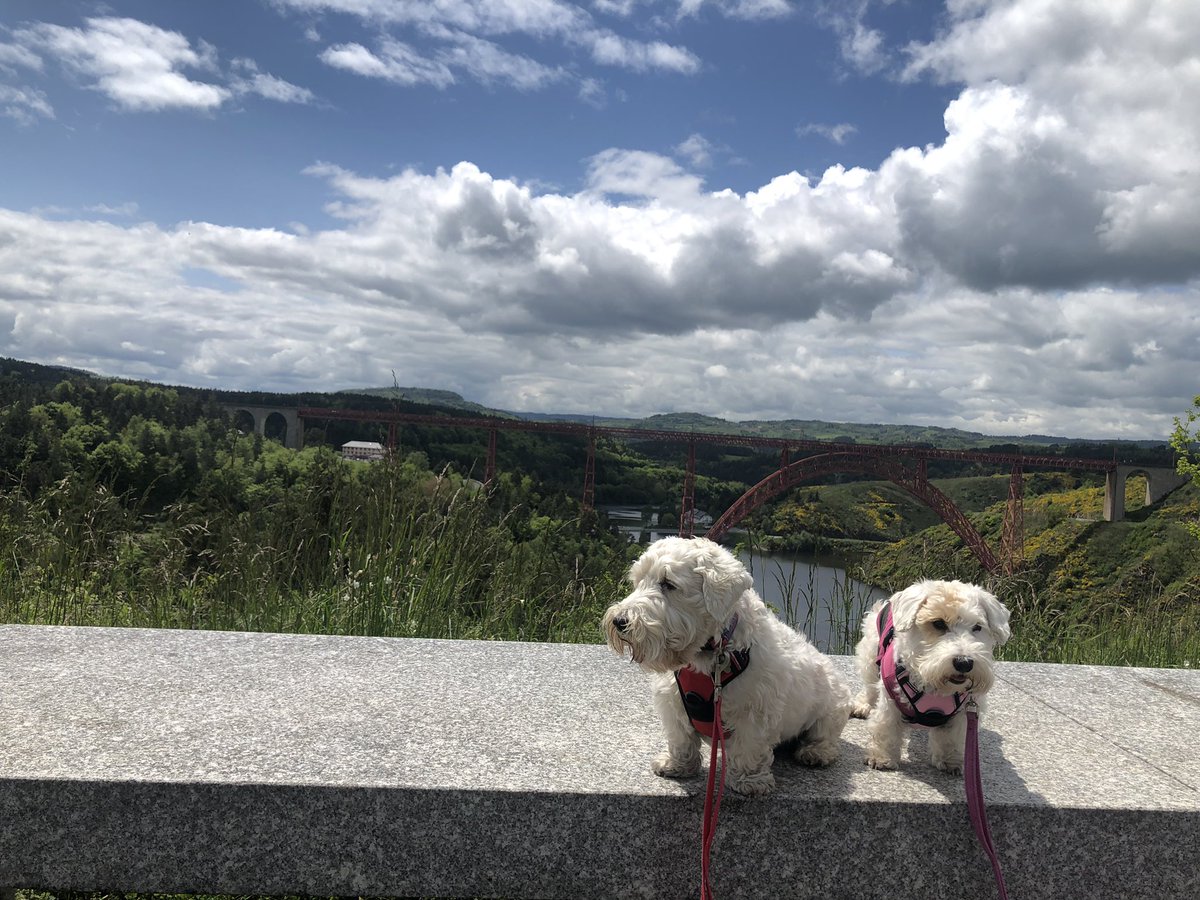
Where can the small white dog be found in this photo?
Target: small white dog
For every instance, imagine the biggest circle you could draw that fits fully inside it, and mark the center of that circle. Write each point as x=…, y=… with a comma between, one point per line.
x=936, y=652
x=692, y=598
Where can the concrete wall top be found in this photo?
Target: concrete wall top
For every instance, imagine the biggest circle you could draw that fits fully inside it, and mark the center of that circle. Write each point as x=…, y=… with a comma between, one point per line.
x=256, y=763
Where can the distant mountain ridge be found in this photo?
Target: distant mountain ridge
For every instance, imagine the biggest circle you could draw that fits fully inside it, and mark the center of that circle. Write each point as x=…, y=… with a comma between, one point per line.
x=799, y=429
x=433, y=400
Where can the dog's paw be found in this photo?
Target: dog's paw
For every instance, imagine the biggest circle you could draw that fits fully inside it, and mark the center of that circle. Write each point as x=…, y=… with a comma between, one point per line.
x=880, y=762
x=949, y=766
x=860, y=708
x=754, y=784
x=823, y=754
x=668, y=766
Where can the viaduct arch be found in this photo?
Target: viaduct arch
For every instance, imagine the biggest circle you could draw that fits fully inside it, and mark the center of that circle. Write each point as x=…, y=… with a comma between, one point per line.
x=1159, y=483
x=293, y=434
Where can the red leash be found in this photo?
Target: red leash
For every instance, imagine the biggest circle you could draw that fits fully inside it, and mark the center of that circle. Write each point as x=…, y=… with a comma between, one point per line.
x=974, y=788
x=712, y=799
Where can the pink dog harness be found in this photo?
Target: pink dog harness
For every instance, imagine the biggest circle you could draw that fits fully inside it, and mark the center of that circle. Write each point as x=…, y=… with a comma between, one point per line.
x=696, y=688
x=916, y=707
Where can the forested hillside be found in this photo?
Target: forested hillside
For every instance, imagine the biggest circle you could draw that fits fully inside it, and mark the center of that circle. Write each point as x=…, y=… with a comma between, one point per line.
x=137, y=504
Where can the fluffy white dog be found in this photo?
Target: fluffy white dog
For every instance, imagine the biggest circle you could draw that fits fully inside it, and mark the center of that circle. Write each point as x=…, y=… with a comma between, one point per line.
x=940, y=646
x=691, y=598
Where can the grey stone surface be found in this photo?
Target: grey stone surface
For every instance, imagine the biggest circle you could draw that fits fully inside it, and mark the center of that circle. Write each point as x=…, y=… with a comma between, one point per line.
x=255, y=763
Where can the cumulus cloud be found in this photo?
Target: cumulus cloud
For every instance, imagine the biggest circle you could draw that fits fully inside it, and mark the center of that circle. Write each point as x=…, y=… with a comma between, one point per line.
x=1070, y=153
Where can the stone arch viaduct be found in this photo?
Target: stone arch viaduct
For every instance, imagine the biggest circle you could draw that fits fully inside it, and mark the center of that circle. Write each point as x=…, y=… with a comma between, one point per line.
x=292, y=426
x=902, y=465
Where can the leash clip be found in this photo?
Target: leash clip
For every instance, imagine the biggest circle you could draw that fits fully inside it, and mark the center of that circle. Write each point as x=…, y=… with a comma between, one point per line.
x=722, y=663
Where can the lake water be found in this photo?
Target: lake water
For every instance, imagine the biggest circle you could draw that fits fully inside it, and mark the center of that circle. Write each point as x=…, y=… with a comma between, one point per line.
x=816, y=596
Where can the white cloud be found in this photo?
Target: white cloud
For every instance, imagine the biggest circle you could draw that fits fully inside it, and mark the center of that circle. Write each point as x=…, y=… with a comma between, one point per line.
x=14, y=55
x=396, y=62
x=128, y=208
x=472, y=26
x=24, y=104
x=738, y=9
x=697, y=150
x=861, y=46
x=141, y=67
x=591, y=92
x=488, y=63
x=1070, y=155
x=1033, y=272
x=613, y=50
x=134, y=64
x=249, y=80
x=836, y=133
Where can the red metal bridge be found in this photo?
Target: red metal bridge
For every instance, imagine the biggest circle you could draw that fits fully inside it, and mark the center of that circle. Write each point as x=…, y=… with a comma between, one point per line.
x=902, y=465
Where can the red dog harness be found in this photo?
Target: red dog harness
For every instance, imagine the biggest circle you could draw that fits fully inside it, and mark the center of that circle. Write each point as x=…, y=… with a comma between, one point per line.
x=916, y=707
x=696, y=688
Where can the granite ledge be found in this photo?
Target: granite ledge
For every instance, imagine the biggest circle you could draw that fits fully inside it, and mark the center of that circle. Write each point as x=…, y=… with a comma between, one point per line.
x=220, y=762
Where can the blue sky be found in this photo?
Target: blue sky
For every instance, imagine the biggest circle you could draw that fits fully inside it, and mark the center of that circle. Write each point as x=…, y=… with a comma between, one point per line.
x=977, y=214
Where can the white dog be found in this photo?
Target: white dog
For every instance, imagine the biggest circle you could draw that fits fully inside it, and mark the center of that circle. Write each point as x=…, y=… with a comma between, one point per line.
x=936, y=654
x=692, y=599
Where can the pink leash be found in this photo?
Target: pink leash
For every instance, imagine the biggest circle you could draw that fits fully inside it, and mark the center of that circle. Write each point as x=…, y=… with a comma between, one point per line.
x=974, y=789
x=712, y=799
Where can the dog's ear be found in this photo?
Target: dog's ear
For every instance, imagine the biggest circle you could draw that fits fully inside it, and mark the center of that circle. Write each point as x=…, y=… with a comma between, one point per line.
x=997, y=617
x=725, y=579
x=907, y=603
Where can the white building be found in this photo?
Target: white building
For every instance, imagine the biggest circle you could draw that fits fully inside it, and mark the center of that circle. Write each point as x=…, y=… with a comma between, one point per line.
x=364, y=450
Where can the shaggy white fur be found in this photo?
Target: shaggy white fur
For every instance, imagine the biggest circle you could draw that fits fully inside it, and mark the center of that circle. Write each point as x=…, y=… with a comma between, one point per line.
x=685, y=592
x=945, y=634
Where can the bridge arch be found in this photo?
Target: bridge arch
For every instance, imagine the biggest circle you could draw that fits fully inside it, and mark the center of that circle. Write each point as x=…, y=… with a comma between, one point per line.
x=278, y=422
x=1159, y=483
x=912, y=480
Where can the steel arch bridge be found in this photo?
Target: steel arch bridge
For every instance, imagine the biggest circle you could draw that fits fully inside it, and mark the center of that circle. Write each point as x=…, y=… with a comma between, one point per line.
x=902, y=465
x=913, y=479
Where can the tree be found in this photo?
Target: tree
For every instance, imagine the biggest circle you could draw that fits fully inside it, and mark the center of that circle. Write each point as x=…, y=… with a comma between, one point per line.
x=1183, y=441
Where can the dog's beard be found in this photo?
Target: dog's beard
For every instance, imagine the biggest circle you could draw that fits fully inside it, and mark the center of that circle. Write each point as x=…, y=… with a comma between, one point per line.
x=934, y=670
x=647, y=644
x=941, y=676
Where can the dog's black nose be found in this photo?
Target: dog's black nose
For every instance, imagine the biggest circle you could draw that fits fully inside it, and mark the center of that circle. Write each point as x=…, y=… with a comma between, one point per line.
x=620, y=623
x=963, y=663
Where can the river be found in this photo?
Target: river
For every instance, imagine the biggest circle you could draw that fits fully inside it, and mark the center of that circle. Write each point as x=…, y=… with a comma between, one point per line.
x=815, y=596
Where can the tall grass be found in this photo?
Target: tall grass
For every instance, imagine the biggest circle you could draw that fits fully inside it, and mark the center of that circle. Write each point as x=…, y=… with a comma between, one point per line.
x=392, y=553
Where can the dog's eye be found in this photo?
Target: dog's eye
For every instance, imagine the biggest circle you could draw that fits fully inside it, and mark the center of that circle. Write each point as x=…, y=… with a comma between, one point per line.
x=666, y=585
x=940, y=624
x=977, y=629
